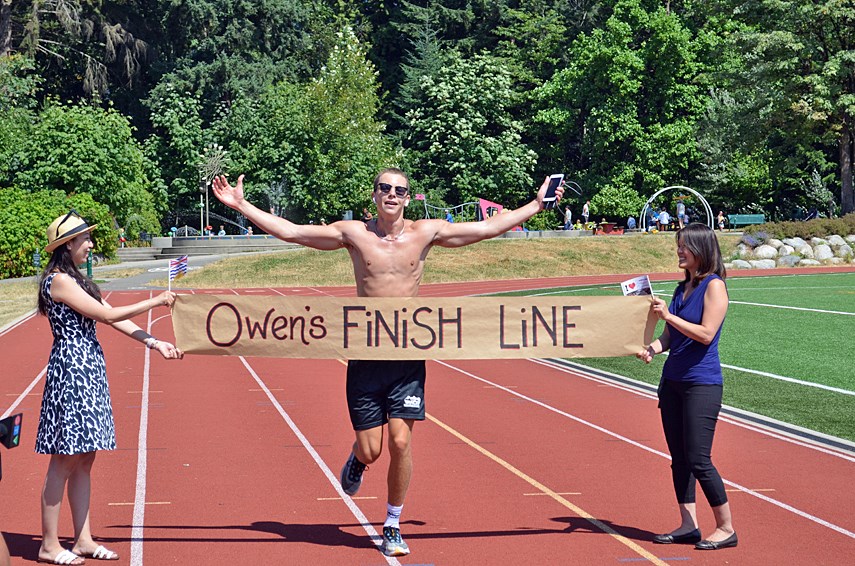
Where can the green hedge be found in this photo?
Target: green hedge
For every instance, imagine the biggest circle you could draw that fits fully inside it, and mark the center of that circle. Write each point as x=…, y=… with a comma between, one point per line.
x=25, y=216
x=817, y=228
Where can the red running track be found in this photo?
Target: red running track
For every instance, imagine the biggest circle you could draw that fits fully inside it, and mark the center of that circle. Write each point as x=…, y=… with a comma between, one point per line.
x=223, y=460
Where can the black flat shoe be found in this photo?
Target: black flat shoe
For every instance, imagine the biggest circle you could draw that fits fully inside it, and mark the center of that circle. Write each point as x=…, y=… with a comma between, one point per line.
x=687, y=538
x=710, y=545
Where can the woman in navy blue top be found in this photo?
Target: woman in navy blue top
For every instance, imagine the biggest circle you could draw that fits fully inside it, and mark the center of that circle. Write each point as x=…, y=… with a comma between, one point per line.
x=691, y=385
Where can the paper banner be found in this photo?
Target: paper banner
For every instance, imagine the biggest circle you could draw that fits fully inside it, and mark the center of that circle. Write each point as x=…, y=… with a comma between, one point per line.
x=413, y=327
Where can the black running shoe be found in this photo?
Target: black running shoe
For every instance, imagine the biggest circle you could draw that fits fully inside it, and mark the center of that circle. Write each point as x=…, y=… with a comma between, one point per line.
x=351, y=475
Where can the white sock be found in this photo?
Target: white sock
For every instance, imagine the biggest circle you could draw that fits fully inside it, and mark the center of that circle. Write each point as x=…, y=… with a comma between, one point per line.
x=393, y=515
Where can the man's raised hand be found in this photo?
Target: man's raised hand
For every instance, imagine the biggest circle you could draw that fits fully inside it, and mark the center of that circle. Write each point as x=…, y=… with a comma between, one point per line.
x=541, y=192
x=227, y=194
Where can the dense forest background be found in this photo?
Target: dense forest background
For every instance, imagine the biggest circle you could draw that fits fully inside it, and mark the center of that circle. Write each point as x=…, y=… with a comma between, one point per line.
x=130, y=106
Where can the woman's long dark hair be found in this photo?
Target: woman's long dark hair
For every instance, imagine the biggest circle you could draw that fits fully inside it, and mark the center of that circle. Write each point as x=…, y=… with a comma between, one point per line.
x=701, y=241
x=62, y=262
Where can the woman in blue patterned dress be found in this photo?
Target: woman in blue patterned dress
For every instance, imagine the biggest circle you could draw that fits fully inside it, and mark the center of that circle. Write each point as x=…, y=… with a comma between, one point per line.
x=691, y=386
x=76, y=417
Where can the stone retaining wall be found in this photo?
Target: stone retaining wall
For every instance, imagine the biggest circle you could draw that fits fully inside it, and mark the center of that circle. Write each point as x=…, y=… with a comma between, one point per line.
x=792, y=252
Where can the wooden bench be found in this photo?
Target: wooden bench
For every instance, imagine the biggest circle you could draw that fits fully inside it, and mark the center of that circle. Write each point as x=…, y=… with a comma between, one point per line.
x=736, y=220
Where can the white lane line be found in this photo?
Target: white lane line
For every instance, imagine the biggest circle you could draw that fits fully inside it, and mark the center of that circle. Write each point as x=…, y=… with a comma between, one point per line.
x=605, y=431
x=785, y=378
x=320, y=291
x=142, y=461
x=574, y=290
x=357, y=512
x=24, y=394
x=731, y=287
x=734, y=420
x=791, y=308
x=790, y=379
x=18, y=322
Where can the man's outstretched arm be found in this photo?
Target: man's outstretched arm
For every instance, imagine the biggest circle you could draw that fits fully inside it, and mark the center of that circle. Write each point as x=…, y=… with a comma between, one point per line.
x=465, y=233
x=328, y=237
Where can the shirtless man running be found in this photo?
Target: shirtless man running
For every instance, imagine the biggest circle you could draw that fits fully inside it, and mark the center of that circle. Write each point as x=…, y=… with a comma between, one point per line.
x=388, y=254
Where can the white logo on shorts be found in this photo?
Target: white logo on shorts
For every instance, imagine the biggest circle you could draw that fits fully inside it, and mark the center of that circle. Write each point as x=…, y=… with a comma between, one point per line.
x=412, y=402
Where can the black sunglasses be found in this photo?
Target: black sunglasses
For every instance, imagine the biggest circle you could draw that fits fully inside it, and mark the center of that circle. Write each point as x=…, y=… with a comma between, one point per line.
x=400, y=192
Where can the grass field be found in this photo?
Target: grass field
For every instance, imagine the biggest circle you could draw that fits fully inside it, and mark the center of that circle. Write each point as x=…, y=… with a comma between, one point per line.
x=19, y=297
x=492, y=259
x=813, y=346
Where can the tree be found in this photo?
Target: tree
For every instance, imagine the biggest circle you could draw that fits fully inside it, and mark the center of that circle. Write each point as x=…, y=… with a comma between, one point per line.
x=219, y=49
x=463, y=140
x=72, y=40
x=176, y=144
x=801, y=64
x=78, y=148
x=18, y=89
x=626, y=105
x=320, y=140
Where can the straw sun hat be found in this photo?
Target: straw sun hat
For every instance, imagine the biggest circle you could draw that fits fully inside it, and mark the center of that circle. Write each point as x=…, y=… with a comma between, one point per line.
x=66, y=228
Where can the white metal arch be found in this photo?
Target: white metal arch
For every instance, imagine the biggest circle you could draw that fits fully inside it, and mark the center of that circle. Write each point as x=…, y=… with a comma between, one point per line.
x=642, y=218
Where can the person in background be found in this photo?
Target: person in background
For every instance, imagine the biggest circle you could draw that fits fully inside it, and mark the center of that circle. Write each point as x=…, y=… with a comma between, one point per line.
x=222, y=231
x=651, y=218
x=663, y=220
x=720, y=220
x=690, y=390
x=630, y=223
x=122, y=237
x=366, y=215
x=586, y=212
x=448, y=216
x=76, y=419
x=681, y=213
x=568, y=218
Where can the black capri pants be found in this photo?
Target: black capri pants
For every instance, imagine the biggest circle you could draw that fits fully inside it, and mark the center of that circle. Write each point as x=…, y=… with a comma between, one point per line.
x=689, y=414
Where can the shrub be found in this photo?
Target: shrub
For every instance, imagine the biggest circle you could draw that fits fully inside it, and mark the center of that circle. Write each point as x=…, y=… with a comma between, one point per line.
x=543, y=220
x=816, y=228
x=25, y=217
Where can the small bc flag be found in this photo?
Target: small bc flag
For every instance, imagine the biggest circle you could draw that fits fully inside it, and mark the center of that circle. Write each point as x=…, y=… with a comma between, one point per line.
x=637, y=286
x=177, y=267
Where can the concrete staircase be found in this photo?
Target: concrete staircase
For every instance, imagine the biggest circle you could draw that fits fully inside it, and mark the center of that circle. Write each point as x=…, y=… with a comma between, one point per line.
x=137, y=254
x=170, y=248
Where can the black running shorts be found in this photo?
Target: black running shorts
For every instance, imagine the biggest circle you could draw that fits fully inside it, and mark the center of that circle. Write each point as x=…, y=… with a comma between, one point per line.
x=378, y=390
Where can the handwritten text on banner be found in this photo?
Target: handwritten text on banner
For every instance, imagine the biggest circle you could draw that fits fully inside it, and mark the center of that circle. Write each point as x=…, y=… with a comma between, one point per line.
x=412, y=328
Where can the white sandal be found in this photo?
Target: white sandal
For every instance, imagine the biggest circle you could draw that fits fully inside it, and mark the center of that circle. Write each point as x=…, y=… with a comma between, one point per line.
x=102, y=553
x=65, y=556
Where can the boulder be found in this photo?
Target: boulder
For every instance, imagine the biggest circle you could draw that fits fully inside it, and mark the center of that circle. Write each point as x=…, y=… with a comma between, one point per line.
x=835, y=261
x=789, y=260
x=822, y=251
x=843, y=251
x=805, y=251
x=835, y=241
x=808, y=263
x=795, y=242
x=818, y=242
x=744, y=251
x=775, y=243
x=786, y=250
x=741, y=264
x=765, y=252
x=762, y=263
x=850, y=238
